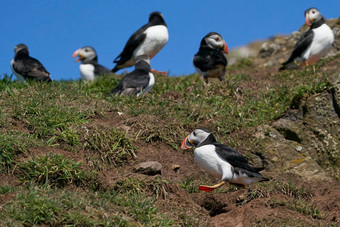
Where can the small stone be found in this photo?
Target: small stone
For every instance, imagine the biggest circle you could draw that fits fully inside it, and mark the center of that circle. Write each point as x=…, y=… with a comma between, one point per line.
x=299, y=148
x=271, y=134
x=150, y=168
x=175, y=167
x=241, y=198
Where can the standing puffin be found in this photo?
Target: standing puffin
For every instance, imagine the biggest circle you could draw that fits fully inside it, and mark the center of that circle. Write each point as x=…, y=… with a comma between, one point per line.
x=220, y=160
x=139, y=81
x=25, y=67
x=148, y=40
x=314, y=43
x=89, y=68
x=210, y=60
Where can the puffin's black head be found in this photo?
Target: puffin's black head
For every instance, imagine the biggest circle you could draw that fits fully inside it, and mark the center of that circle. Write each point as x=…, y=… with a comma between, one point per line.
x=198, y=136
x=21, y=49
x=215, y=41
x=143, y=62
x=312, y=15
x=156, y=18
x=86, y=53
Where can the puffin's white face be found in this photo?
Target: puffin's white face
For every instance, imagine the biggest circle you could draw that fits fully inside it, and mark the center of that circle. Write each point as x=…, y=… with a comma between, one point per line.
x=312, y=15
x=215, y=41
x=85, y=53
x=195, y=138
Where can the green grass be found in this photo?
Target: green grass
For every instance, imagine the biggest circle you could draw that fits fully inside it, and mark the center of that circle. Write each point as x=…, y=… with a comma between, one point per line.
x=53, y=206
x=189, y=185
x=301, y=206
x=12, y=144
x=54, y=170
x=112, y=145
x=4, y=189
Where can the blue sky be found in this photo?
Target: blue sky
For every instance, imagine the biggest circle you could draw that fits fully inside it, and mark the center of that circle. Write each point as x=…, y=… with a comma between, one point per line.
x=53, y=30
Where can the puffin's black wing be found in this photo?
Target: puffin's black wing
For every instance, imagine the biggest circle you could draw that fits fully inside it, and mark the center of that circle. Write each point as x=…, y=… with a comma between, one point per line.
x=207, y=59
x=100, y=70
x=303, y=43
x=233, y=157
x=132, y=80
x=31, y=68
x=134, y=41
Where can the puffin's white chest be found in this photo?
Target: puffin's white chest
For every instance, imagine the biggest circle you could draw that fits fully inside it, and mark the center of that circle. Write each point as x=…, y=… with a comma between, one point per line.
x=322, y=41
x=149, y=86
x=87, y=71
x=151, y=83
x=19, y=76
x=208, y=159
x=156, y=38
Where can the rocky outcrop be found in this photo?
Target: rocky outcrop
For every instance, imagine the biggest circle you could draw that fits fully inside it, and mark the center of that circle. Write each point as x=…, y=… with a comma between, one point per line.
x=277, y=49
x=307, y=139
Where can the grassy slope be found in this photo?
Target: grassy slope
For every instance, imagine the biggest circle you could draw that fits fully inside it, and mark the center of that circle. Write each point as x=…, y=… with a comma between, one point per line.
x=51, y=145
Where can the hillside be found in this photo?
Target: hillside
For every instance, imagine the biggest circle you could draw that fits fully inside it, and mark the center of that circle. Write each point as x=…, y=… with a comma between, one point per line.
x=68, y=151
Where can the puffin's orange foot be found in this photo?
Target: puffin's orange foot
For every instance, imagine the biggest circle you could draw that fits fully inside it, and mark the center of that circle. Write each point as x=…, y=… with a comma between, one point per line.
x=211, y=188
x=306, y=63
x=205, y=188
x=158, y=72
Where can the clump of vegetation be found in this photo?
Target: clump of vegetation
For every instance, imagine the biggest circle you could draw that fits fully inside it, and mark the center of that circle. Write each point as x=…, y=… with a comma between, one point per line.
x=301, y=206
x=113, y=145
x=11, y=145
x=60, y=207
x=54, y=170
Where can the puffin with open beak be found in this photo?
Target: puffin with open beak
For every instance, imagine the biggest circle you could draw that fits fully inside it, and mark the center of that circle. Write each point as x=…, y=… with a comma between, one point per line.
x=89, y=67
x=220, y=160
x=210, y=60
x=314, y=43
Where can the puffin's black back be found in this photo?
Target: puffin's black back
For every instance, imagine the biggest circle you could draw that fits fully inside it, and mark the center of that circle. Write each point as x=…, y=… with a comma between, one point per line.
x=30, y=68
x=136, y=39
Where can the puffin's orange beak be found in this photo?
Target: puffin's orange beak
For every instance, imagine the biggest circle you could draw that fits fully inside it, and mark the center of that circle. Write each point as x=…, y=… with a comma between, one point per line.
x=307, y=20
x=186, y=144
x=225, y=50
x=75, y=54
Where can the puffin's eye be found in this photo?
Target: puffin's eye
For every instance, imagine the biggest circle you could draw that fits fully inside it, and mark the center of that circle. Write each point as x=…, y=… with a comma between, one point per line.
x=194, y=133
x=313, y=11
x=86, y=50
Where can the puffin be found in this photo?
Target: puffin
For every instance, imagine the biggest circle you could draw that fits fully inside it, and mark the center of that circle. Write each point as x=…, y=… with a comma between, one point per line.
x=25, y=67
x=210, y=60
x=89, y=67
x=148, y=40
x=314, y=43
x=139, y=81
x=220, y=160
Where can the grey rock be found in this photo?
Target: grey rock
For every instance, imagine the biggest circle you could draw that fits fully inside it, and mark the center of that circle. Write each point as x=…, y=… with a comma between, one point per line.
x=284, y=155
x=307, y=140
x=149, y=168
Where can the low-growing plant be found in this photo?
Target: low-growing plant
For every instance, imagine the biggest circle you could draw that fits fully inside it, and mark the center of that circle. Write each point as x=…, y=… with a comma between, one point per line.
x=306, y=208
x=54, y=170
x=4, y=189
x=12, y=144
x=189, y=185
x=113, y=145
x=34, y=208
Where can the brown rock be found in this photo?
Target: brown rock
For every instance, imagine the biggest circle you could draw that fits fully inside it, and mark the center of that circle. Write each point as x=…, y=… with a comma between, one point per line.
x=149, y=168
